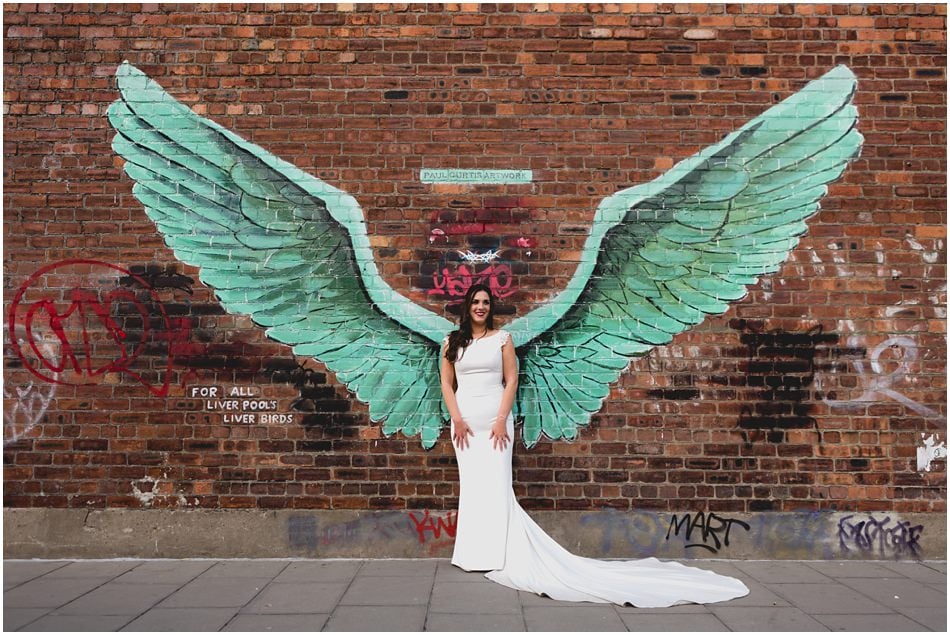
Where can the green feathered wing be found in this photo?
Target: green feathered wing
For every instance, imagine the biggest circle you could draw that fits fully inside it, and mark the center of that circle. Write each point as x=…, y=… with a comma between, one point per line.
x=292, y=252
x=285, y=248
x=662, y=256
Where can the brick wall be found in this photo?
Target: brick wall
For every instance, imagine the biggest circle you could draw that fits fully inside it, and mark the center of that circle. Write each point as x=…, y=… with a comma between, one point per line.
x=817, y=391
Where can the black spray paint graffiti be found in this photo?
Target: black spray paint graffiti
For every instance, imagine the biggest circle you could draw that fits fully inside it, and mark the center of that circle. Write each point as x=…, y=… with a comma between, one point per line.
x=879, y=537
x=712, y=528
x=642, y=534
x=644, y=530
x=779, y=373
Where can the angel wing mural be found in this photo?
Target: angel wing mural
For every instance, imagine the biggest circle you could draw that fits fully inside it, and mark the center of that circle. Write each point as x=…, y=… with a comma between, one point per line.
x=292, y=252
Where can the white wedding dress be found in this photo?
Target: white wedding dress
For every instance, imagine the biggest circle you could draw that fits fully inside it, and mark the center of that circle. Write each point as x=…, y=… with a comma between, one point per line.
x=494, y=534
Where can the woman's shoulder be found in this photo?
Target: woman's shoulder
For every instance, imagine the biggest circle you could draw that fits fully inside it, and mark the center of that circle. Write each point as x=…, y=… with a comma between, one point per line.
x=503, y=335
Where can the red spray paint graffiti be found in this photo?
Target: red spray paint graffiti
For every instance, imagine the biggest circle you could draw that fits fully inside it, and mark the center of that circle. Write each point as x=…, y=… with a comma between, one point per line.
x=430, y=529
x=91, y=342
x=455, y=285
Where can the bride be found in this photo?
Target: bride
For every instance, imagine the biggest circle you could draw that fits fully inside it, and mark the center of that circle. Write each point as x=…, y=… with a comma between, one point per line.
x=494, y=534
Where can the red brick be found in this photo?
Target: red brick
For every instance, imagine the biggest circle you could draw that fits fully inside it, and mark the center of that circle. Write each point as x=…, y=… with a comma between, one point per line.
x=591, y=102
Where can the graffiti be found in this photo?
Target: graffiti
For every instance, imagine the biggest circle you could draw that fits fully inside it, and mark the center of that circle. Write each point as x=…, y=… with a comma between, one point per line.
x=456, y=285
x=612, y=533
x=640, y=531
x=25, y=406
x=86, y=327
x=879, y=383
x=483, y=227
x=431, y=527
x=27, y=409
x=470, y=256
x=302, y=532
x=314, y=534
x=799, y=535
x=890, y=364
x=931, y=451
x=879, y=537
x=644, y=533
x=780, y=370
x=712, y=526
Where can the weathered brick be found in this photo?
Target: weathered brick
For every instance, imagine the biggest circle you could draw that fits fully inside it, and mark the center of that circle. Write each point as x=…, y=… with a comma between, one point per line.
x=590, y=102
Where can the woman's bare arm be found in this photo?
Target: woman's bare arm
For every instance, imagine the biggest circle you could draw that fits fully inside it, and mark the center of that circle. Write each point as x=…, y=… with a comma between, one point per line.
x=461, y=429
x=509, y=361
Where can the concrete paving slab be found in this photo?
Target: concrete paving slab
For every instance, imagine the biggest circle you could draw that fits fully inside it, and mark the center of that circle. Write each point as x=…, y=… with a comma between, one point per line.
x=697, y=609
x=898, y=592
x=44, y=593
x=473, y=598
x=93, y=569
x=297, y=597
x=942, y=588
x=683, y=623
x=215, y=593
x=831, y=599
x=582, y=618
x=246, y=569
x=933, y=618
x=759, y=595
x=118, y=599
x=891, y=622
x=315, y=571
x=781, y=572
x=311, y=622
x=14, y=619
x=533, y=599
x=719, y=566
x=182, y=619
x=309, y=595
x=17, y=572
x=921, y=572
x=165, y=572
x=377, y=618
x=387, y=591
x=401, y=568
x=447, y=572
x=851, y=569
x=73, y=623
x=460, y=622
x=761, y=618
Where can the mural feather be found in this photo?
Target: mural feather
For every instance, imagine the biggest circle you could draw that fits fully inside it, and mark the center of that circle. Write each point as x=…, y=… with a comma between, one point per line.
x=292, y=252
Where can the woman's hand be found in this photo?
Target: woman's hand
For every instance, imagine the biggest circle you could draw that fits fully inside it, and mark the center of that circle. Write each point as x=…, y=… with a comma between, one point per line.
x=499, y=434
x=461, y=432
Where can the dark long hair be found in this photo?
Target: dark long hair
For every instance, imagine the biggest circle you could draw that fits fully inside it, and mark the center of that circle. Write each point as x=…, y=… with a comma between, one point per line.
x=461, y=338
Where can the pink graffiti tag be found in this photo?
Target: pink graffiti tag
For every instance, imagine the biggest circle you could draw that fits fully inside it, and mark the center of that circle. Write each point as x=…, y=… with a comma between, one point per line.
x=84, y=330
x=496, y=276
x=434, y=525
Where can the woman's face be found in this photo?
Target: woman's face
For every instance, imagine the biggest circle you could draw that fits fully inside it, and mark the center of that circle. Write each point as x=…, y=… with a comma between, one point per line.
x=480, y=308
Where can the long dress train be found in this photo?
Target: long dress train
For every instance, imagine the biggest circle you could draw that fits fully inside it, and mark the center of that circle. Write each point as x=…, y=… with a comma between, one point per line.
x=495, y=534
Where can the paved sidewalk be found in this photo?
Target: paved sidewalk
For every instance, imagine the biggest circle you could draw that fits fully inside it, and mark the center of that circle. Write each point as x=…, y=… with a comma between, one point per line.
x=431, y=595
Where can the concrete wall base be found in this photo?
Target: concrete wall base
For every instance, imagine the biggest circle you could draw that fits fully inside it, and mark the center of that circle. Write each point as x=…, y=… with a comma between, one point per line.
x=167, y=533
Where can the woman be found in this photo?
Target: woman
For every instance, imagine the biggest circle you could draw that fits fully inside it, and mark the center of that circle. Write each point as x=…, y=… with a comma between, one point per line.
x=494, y=534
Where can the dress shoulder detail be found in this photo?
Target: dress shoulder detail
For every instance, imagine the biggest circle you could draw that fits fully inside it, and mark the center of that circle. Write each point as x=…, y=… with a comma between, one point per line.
x=505, y=336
